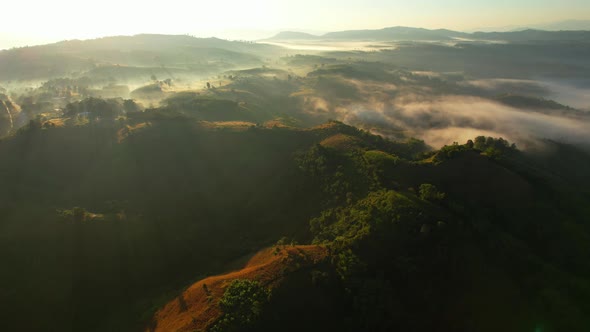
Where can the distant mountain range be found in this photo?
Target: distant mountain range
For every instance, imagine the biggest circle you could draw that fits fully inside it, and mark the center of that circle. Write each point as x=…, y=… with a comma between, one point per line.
x=409, y=33
x=570, y=25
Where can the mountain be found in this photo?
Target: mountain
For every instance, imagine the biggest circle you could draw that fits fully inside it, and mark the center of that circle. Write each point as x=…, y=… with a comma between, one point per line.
x=417, y=34
x=397, y=33
x=568, y=25
x=173, y=52
x=286, y=35
x=393, y=33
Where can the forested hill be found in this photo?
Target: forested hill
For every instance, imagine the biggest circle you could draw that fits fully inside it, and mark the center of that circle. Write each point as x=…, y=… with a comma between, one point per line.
x=176, y=52
x=107, y=220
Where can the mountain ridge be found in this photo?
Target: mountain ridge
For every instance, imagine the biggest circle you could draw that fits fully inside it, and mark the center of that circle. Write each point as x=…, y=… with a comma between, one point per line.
x=413, y=33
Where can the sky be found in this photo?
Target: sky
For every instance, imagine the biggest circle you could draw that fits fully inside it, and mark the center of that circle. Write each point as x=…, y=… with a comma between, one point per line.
x=29, y=22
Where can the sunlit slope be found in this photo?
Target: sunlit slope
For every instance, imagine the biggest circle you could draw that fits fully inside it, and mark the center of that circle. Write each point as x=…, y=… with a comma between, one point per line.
x=197, y=307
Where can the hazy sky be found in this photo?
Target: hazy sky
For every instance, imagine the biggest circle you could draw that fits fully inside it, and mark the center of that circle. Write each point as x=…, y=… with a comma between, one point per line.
x=38, y=21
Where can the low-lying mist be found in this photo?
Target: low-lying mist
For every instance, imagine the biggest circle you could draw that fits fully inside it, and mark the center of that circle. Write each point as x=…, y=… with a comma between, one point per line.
x=571, y=92
x=440, y=120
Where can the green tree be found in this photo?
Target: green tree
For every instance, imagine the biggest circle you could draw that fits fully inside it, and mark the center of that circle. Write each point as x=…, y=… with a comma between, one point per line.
x=429, y=192
x=242, y=304
x=480, y=143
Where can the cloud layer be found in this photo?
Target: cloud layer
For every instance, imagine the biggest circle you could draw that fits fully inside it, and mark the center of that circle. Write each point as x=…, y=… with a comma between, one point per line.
x=445, y=119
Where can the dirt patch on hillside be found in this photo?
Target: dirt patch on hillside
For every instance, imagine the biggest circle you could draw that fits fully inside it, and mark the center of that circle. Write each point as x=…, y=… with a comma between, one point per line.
x=197, y=308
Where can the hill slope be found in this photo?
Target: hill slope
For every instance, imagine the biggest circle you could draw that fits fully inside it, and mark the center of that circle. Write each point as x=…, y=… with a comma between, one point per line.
x=197, y=308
